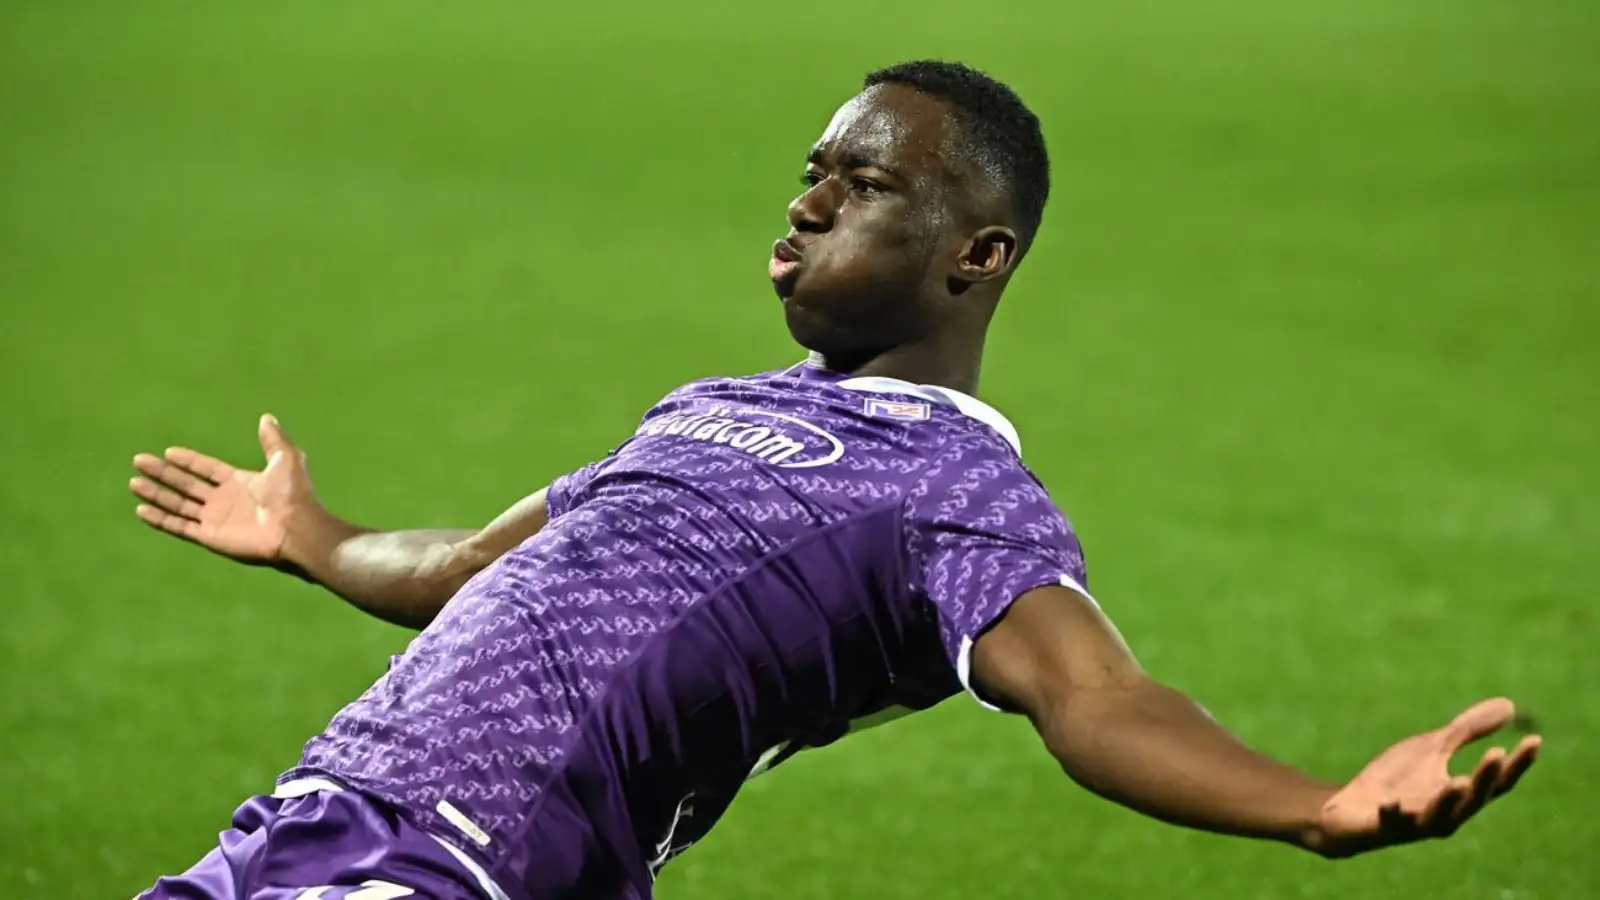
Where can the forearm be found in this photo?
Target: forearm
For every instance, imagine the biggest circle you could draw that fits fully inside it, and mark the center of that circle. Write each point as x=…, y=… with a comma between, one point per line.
x=402, y=577
x=1150, y=748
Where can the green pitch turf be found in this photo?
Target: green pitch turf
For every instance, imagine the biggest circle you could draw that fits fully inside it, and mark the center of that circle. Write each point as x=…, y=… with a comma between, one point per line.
x=1308, y=350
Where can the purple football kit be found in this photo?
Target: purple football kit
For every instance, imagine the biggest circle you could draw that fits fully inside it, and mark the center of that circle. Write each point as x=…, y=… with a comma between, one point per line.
x=767, y=563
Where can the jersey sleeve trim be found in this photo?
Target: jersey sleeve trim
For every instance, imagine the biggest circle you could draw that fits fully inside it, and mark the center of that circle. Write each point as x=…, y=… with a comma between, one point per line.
x=964, y=654
x=556, y=496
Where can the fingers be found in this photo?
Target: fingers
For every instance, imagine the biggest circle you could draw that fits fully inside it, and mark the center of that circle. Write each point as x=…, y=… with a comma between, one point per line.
x=188, y=529
x=1478, y=721
x=174, y=476
x=1522, y=758
x=208, y=467
x=1441, y=817
x=1484, y=778
x=1397, y=825
x=166, y=500
x=1497, y=773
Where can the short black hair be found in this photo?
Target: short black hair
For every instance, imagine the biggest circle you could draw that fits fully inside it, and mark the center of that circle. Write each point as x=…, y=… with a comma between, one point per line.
x=1005, y=135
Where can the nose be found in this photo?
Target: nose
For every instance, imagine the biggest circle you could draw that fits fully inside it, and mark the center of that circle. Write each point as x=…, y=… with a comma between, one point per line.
x=812, y=212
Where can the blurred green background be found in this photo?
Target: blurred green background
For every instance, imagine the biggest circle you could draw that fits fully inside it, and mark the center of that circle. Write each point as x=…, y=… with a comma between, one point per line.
x=1308, y=350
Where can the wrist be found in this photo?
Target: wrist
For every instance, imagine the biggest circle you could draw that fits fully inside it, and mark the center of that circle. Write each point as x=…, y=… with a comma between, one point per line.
x=311, y=537
x=1310, y=833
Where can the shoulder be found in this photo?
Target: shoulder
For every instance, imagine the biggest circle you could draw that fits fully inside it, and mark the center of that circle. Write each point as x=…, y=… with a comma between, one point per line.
x=980, y=486
x=973, y=459
x=977, y=498
x=718, y=383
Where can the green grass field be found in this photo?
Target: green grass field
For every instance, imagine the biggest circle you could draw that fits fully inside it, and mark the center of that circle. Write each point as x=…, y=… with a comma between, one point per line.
x=1309, y=349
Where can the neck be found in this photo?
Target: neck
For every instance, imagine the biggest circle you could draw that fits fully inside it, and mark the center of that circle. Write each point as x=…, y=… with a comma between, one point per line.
x=947, y=361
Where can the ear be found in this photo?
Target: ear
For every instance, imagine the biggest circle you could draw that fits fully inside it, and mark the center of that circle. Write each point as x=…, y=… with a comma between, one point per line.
x=988, y=254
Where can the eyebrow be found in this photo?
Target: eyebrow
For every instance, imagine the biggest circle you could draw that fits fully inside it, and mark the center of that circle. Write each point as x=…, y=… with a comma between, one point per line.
x=851, y=161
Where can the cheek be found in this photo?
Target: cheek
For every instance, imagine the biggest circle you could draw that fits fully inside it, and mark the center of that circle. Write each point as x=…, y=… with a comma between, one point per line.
x=874, y=242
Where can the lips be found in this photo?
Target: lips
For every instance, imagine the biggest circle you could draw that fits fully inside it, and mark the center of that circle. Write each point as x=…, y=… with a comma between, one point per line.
x=786, y=260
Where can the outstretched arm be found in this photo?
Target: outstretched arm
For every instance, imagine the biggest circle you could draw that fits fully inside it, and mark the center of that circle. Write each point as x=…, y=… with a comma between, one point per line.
x=272, y=517
x=1056, y=659
x=404, y=577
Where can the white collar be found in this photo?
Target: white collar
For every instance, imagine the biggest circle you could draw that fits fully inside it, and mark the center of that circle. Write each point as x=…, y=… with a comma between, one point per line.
x=968, y=405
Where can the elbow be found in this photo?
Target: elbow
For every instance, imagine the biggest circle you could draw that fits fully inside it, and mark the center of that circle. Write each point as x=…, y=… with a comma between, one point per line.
x=445, y=567
x=1086, y=730
x=1067, y=725
x=438, y=575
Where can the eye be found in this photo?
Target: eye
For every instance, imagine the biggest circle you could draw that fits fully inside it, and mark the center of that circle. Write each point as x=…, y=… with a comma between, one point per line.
x=811, y=179
x=866, y=186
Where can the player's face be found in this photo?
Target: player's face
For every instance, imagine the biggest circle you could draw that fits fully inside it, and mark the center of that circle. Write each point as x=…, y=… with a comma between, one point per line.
x=863, y=266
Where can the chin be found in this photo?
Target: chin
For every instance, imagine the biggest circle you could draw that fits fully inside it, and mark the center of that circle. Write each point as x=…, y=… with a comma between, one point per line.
x=808, y=329
x=845, y=318
x=826, y=335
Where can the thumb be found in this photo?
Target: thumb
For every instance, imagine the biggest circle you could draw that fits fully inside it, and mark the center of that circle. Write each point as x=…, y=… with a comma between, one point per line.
x=274, y=443
x=1479, y=721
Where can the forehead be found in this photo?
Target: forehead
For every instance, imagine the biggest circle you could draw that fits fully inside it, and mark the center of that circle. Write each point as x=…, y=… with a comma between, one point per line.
x=895, y=126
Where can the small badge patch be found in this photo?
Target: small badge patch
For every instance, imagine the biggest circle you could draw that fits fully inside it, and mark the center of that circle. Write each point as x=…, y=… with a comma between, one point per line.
x=897, y=409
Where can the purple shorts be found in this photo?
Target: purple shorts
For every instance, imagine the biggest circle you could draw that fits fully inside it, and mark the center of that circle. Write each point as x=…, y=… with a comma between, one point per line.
x=325, y=845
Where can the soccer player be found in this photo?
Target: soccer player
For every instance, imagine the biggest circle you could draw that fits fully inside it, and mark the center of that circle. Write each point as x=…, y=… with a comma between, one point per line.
x=767, y=563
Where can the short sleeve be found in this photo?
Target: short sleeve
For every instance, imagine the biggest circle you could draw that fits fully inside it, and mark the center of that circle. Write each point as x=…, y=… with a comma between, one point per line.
x=981, y=532
x=564, y=492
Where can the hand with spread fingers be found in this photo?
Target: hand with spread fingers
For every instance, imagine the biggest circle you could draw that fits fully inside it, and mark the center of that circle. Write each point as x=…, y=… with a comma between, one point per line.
x=1407, y=793
x=238, y=513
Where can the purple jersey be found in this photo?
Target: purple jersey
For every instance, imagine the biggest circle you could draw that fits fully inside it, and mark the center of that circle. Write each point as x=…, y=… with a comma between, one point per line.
x=765, y=561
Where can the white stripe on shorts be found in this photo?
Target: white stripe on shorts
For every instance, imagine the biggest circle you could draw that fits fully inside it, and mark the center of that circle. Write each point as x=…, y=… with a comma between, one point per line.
x=300, y=787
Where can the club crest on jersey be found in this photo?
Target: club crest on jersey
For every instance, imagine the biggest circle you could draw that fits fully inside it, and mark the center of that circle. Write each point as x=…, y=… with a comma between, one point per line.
x=897, y=409
x=782, y=440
